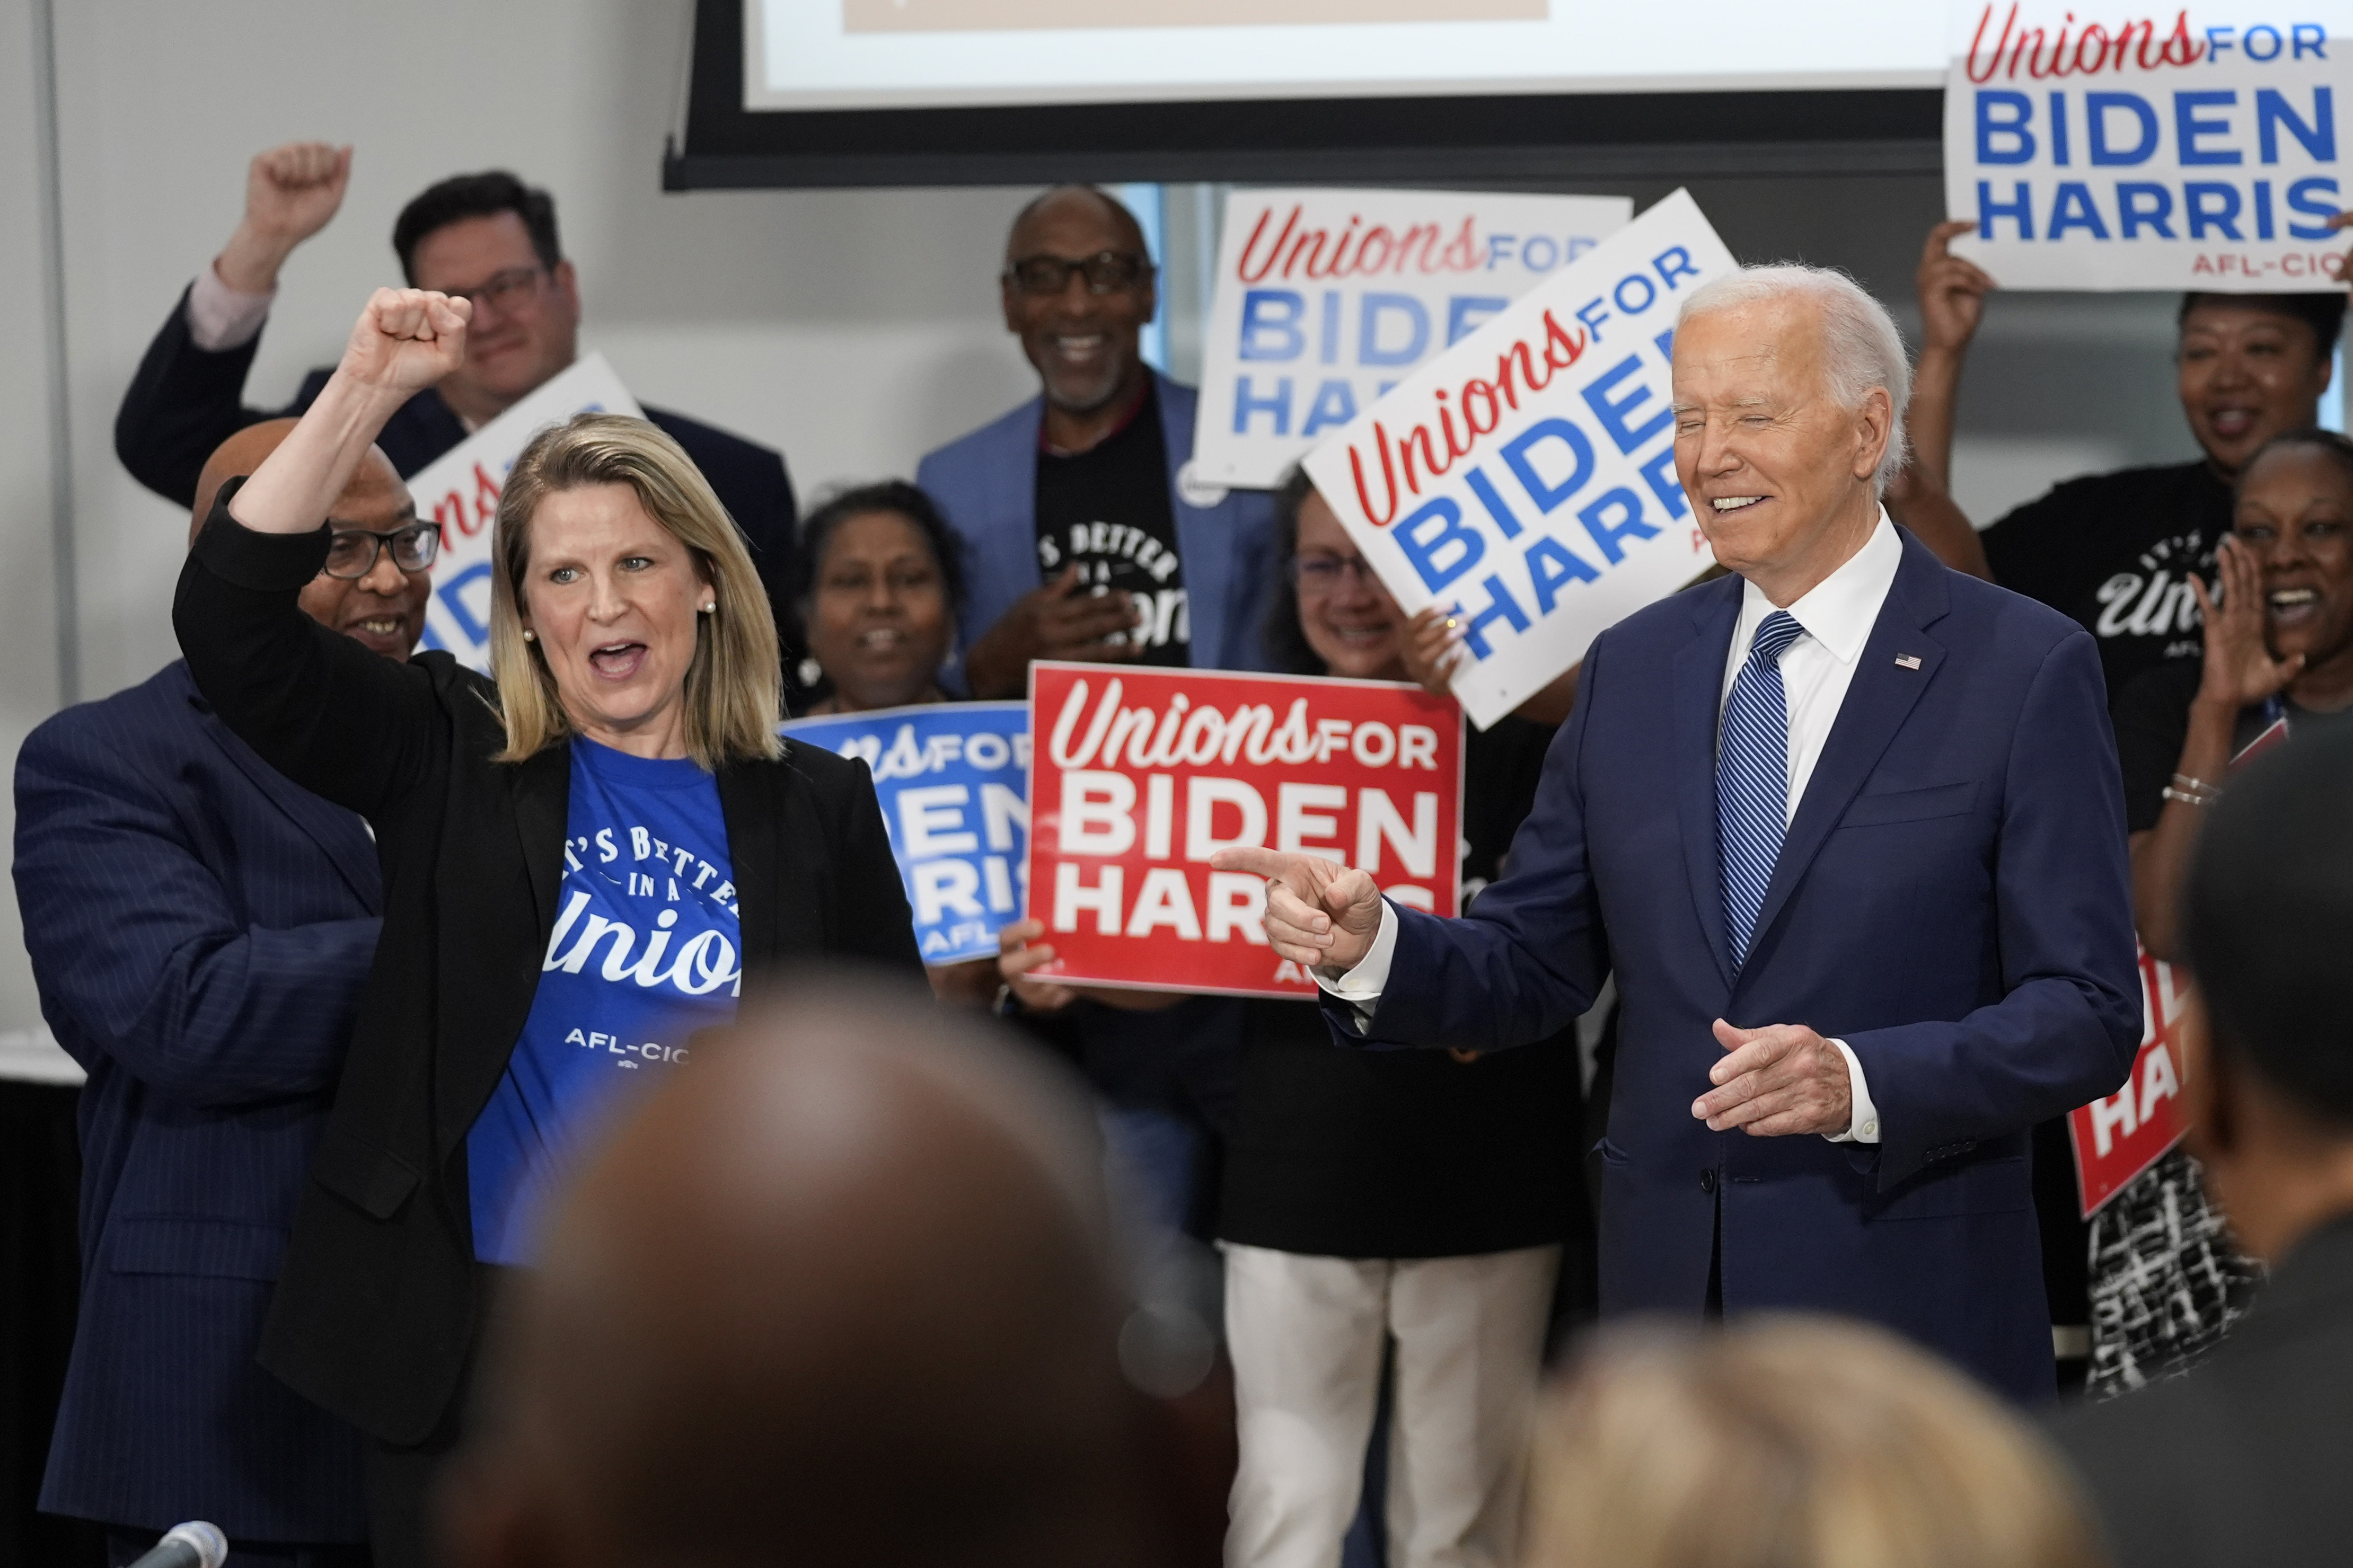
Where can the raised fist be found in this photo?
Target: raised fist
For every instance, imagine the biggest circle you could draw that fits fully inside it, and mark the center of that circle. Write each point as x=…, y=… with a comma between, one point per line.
x=292, y=192
x=406, y=339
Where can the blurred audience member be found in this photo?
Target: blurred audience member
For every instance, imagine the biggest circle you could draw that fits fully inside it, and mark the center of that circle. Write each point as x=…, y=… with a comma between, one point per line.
x=1080, y=489
x=488, y=237
x=2243, y=1460
x=1406, y=1208
x=839, y=1292
x=1789, y=1442
x=2120, y=553
x=881, y=582
x=199, y=929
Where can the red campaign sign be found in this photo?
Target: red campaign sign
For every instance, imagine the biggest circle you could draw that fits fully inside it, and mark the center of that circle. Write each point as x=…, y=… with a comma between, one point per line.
x=2118, y=1138
x=1139, y=775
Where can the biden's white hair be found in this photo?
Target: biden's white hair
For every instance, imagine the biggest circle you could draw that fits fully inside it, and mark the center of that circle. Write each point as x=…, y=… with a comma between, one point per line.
x=1861, y=347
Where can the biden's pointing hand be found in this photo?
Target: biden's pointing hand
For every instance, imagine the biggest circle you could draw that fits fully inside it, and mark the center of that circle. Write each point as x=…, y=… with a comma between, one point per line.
x=1318, y=912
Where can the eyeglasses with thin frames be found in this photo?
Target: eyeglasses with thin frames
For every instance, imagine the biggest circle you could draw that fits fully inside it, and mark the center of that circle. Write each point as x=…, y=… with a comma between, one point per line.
x=352, y=552
x=1106, y=272
x=1321, y=573
x=506, y=290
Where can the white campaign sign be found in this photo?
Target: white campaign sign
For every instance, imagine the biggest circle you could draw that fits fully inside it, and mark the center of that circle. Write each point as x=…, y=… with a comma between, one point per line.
x=1324, y=299
x=460, y=490
x=1528, y=477
x=2195, y=151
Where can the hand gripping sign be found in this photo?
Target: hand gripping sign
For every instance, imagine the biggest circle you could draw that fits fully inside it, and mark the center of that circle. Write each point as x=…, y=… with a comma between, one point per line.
x=952, y=781
x=1327, y=299
x=2146, y=151
x=1527, y=476
x=460, y=490
x=1141, y=775
x=2119, y=1137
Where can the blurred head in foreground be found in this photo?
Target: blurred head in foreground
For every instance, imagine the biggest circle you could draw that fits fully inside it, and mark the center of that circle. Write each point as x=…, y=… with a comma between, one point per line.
x=1790, y=1443
x=2268, y=924
x=840, y=1292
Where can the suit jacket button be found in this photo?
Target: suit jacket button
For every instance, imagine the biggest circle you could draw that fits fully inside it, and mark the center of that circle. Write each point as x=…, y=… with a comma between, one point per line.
x=1707, y=1180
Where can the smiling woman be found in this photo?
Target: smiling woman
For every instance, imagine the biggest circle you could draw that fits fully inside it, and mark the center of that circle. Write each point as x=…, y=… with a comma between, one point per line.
x=880, y=583
x=585, y=861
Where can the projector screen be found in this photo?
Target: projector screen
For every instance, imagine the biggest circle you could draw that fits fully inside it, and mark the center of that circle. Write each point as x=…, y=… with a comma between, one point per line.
x=1397, y=93
x=895, y=54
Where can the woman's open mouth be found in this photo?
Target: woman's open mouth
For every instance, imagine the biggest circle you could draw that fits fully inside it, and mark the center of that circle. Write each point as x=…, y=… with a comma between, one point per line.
x=617, y=661
x=2292, y=606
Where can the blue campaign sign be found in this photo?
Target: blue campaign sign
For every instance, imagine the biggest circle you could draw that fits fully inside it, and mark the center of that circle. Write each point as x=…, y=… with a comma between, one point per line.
x=953, y=782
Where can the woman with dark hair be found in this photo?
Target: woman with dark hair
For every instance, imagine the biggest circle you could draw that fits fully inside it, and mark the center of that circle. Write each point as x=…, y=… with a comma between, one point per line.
x=879, y=579
x=1412, y=1208
x=2166, y=1279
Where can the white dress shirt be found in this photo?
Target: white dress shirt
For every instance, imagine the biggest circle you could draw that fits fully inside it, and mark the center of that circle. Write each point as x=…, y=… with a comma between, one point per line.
x=220, y=317
x=1837, y=616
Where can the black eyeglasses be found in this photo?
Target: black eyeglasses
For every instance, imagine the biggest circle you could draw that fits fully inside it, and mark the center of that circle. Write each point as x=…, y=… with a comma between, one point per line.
x=352, y=553
x=1110, y=272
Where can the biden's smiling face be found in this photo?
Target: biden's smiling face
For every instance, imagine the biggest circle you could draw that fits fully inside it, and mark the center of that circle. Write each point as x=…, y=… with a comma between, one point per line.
x=1771, y=461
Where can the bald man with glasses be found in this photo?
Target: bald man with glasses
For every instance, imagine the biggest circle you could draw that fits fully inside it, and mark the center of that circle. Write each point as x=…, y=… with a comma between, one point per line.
x=199, y=930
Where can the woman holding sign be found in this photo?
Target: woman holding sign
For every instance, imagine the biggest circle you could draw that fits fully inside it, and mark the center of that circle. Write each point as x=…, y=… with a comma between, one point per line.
x=1416, y=1199
x=583, y=860
x=2278, y=663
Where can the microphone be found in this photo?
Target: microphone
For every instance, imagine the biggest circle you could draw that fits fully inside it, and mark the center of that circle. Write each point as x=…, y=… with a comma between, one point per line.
x=194, y=1545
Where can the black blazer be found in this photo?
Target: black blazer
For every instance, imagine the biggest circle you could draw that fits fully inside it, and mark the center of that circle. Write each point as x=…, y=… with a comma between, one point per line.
x=185, y=401
x=376, y=1308
x=2243, y=1460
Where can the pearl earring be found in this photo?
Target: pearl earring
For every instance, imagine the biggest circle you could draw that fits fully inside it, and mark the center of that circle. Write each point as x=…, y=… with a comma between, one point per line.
x=530, y=636
x=711, y=606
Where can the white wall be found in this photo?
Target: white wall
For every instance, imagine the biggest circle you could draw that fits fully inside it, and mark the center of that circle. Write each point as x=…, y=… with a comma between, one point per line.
x=28, y=672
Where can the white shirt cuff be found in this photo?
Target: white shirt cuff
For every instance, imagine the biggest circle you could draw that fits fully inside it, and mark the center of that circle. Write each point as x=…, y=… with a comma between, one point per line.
x=222, y=318
x=1863, y=1126
x=1361, y=986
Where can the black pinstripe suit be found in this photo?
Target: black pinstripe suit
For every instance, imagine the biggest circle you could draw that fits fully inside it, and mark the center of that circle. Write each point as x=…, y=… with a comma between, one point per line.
x=199, y=928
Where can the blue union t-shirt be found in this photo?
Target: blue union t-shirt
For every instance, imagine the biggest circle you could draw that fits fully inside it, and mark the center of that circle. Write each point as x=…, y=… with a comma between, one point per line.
x=647, y=950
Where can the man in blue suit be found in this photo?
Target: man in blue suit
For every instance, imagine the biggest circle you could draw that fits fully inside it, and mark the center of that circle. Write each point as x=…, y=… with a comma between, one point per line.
x=1847, y=827
x=1081, y=538
x=200, y=929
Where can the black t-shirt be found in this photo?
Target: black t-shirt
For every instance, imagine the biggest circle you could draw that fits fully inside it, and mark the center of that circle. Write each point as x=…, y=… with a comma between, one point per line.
x=2152, y=721
x=1412, y=1154
x=1107, y=508
x=2115, y=552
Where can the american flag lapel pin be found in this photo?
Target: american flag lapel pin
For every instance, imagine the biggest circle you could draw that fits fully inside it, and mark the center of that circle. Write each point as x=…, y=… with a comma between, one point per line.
x=1908, y=660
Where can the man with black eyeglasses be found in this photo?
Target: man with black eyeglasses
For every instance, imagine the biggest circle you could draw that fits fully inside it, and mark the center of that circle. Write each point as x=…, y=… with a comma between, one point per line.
x=488, y=237
x=200, y=929
x=1082, y=539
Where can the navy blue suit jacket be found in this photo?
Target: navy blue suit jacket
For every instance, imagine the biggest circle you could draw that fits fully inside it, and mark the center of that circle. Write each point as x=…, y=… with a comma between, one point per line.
x=1952, y=901
x=987, y=484
x=199, y=929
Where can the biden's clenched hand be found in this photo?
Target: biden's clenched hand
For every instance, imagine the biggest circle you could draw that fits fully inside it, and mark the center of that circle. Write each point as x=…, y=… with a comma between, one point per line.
x=1318, y=911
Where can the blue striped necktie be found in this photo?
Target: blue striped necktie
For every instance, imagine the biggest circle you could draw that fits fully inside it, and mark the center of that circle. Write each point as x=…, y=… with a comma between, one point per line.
x=1752, y=779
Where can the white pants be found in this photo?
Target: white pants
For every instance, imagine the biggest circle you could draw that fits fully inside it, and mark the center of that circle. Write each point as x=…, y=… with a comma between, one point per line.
x=1307, y=1334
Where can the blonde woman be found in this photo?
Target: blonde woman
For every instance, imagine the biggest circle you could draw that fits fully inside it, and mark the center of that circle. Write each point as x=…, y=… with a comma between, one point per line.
x=1790, y=1442
x=584, y=860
